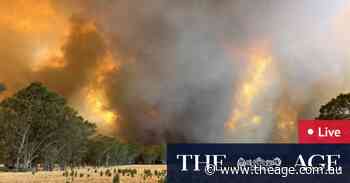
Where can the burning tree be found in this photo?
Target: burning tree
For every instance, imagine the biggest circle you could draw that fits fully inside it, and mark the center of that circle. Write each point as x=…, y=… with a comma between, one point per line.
x=337, y=108
x=38, y=125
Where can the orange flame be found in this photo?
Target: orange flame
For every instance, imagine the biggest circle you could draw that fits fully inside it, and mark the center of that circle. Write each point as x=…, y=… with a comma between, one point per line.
x=250, y=88
x=287, y=118
x=95, y=98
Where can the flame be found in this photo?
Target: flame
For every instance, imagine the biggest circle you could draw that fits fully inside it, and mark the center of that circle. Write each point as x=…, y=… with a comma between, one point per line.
x=96, y=100
x=97, y=97
x=259, y=62
x=287, y=116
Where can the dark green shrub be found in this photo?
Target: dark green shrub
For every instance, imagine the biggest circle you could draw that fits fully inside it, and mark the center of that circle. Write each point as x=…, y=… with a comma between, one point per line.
x=116, y=178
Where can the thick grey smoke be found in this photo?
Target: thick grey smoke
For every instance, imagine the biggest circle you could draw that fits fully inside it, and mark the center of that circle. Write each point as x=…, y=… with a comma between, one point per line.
x=178, y=80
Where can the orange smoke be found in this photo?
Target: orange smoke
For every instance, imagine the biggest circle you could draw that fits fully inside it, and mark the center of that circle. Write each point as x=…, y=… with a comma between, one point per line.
x=48, y=54
x=29, y=30
x=42, y=29
x=38, y=21
x=108, y=66
x=31, y=16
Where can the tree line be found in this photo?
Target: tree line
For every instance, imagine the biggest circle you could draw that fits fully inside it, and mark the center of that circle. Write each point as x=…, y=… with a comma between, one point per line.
x=37, y=126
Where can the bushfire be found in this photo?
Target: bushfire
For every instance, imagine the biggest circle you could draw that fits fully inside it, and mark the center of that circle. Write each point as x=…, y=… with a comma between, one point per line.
x=162, y=72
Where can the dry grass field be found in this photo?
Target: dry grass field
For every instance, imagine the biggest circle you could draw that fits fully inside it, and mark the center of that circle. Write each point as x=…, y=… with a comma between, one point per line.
x=143, y=174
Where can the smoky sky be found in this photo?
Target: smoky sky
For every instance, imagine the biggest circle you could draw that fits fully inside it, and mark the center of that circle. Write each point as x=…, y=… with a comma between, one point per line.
x=182, y=70
x=183, y=64
x=82, y=52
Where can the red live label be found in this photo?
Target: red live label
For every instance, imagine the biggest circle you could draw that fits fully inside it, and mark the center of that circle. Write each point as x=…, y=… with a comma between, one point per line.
x=324, y=131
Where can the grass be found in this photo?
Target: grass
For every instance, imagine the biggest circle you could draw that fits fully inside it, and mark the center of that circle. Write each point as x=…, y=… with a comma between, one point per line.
x=122, y=174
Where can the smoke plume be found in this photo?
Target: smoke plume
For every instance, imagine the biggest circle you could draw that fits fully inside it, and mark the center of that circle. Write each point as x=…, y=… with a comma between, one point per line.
x=184, y=71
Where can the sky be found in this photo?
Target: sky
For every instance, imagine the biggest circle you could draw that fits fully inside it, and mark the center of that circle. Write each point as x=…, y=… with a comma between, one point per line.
x=181, y=71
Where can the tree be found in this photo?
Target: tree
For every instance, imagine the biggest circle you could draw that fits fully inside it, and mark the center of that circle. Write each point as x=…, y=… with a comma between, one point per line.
x=71, y=144
x=2, y=87
x=337, y=108
x=154, y=154
x=7, y=136
x=108, y=151
x=38, y=125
